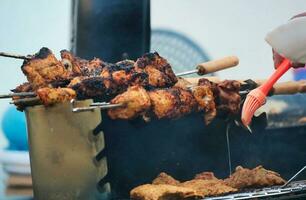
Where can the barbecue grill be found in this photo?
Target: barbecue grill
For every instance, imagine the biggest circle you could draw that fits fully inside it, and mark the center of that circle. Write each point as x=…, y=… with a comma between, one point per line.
x=133, y=157
x=77, y=155
x=137, y=152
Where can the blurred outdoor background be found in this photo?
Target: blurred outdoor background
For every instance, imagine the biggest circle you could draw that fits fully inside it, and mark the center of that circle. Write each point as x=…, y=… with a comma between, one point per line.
x=218, y=27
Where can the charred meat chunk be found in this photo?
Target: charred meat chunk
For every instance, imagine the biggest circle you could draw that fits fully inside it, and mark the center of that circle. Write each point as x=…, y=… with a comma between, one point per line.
x=50, y=96
x=254, y=178
x=160, y=73
x=206, y=102
x=82, y=67
x=228, y=101
x=25, y=87
x=123, y=74
x=43, y=68
x=135, y=100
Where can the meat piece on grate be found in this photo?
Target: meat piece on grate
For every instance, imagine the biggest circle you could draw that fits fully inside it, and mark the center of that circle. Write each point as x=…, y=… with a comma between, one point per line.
x=254, y=178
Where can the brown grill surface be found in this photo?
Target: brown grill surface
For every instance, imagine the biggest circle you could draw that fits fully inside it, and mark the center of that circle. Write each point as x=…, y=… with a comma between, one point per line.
x=294, y=190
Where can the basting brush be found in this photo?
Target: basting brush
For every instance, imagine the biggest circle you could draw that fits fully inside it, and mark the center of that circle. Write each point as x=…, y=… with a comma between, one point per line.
x=289, y=40
x=257, y=97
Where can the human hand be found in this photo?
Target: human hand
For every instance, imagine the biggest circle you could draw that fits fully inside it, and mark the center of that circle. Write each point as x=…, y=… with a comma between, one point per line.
x=277, y=58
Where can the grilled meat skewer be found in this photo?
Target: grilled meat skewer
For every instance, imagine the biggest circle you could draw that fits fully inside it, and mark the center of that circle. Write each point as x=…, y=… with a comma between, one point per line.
x=150, y=71
x=159, y=103
x=176, y=102
x=48, y=96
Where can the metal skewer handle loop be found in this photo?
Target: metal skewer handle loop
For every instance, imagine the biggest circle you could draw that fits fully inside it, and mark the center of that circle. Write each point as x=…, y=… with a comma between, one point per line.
x=93, y=106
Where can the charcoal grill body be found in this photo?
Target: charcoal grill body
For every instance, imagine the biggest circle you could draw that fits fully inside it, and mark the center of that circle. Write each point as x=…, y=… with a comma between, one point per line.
x=138, y=152
x=62, y=152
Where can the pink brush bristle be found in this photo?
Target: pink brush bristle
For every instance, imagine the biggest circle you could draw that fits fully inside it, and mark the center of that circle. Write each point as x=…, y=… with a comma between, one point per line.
x=257, y=97
x=253, y=101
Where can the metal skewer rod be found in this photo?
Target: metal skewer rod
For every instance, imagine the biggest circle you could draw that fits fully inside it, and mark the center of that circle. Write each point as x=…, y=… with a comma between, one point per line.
x=240, y=92
x=20, y=94
x=91, y=108
x=244, y=92
x=11, y=55
x=293, y=177
x=26, y=100
x=100, y=103
x=228, y=126
x=187, y=72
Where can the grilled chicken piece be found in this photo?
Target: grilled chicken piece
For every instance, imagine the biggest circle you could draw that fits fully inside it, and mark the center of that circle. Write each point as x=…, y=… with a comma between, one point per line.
x=43, y=69
x=166, y=179
x=123, y=74
x=91, y=88
x=226, y=95
x=208, y=187
x=188, y=103
x=205, y=100
x=165, y=103
x=136, y=101
x=228, y=98
x=159, y=71
x=76, y=80
x=205, y=184
x=163, y=192
x=113, y=80
x=172, y=102
x=82, y=67
x=253, y=178
x=96, y=87
x=50, y=96
x=182, y=83
x=205, y=176
x=25, y=87
x=166, y=187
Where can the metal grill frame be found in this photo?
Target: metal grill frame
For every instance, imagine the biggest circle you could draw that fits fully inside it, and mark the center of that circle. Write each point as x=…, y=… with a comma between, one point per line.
x=293, y=189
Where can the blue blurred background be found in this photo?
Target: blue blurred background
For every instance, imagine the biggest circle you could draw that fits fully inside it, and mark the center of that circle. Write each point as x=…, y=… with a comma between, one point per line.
x=14, y=128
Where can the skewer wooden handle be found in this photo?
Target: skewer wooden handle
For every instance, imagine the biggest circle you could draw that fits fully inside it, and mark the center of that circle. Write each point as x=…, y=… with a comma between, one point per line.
x=217, y=65
x=290, y=87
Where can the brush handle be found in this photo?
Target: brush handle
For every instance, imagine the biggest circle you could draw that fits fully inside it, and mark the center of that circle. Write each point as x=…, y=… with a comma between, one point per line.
x=217, y=65
x=283, y=68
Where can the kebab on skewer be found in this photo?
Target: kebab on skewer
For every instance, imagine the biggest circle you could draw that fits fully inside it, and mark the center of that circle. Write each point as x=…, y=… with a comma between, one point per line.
x=151, y=70
x=177, y=102
x=44, y=70
x=45, y=73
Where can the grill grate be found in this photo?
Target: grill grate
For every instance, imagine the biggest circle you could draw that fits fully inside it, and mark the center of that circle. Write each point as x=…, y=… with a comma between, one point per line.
x=295, y=189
